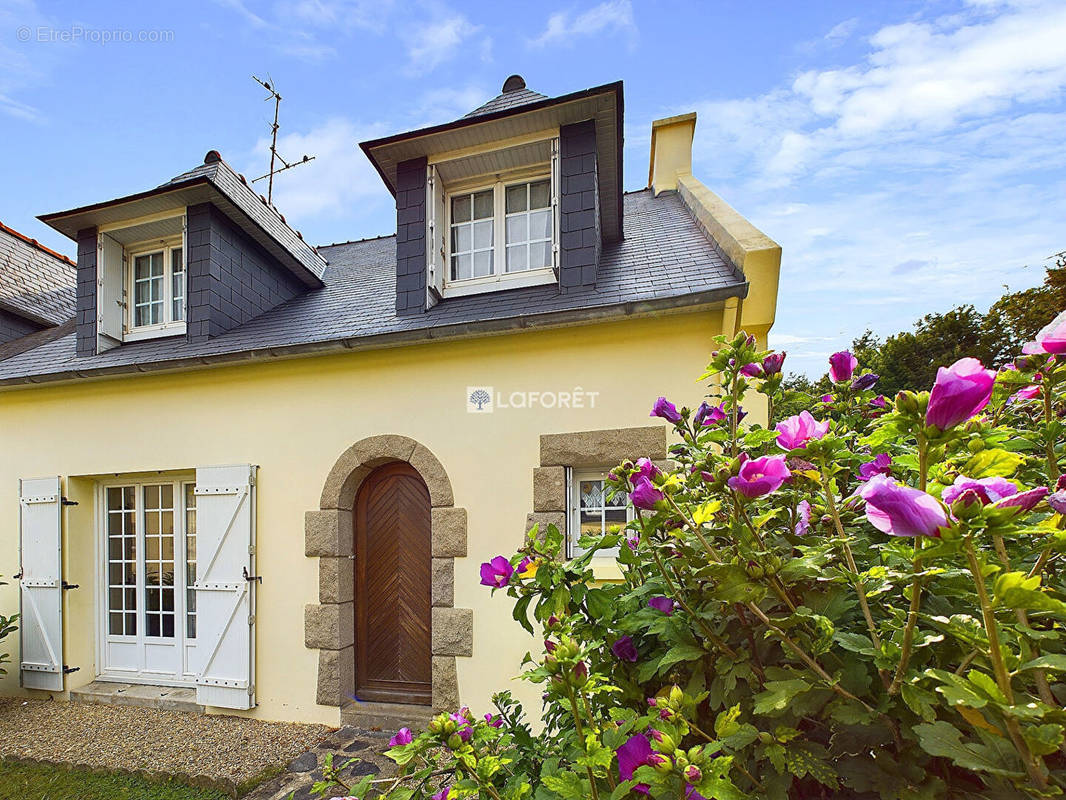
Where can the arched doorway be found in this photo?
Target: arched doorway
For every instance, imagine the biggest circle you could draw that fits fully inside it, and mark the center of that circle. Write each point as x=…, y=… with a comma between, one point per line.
x=393, y=563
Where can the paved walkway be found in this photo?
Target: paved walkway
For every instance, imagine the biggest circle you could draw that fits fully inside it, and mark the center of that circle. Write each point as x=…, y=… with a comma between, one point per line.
x=345, y=744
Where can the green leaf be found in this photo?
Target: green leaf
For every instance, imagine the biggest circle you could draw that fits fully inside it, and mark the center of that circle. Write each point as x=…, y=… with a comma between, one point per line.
x=726, y=723
x=681, y=652
x=1043, y=739
x=919, y=700
x=945, y=740
x=778, y=694
x=567, y=785
x=855, y=642
x=802, y=760
x=521, y=612
x=1054, y=663
x=988, y=463
x=599, y=603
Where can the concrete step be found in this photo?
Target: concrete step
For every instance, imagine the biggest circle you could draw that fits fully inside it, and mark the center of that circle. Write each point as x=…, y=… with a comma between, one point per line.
x=386, y=717
x=167, y=698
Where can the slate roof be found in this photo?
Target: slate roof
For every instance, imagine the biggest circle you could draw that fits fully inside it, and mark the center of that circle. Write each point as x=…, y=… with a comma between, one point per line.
x=507, y=100
x=35, y=282
x=665, y=260
x=236, y=188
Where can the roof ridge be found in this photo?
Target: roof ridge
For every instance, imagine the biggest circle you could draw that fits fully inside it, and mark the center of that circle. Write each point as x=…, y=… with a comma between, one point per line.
x=33, y=242
x=359, y=241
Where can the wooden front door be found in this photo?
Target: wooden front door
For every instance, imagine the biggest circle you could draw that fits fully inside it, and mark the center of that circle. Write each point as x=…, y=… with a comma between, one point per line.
x=392, y=580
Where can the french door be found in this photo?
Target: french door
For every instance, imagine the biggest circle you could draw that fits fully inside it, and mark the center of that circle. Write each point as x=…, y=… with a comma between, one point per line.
x=148, y=608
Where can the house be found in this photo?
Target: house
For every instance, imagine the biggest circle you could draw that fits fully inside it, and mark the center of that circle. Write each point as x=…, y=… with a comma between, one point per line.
x=263, y=475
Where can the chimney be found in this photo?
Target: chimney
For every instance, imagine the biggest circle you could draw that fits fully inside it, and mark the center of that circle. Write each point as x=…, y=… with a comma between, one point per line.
x=671, y=151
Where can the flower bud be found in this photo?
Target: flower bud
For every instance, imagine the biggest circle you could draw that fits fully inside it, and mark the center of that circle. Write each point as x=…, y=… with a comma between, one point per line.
x=907, y=402
x=967, y=505
x=435, y=725
x=676, y=696
x=975, y=445
x=693, y=774
x=454, y=741
x=580, y=674
x=660, y=763
x=765, y=738
x=664, y=740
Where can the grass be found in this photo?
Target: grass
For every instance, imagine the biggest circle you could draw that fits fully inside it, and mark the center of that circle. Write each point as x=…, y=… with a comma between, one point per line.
x=41, y=782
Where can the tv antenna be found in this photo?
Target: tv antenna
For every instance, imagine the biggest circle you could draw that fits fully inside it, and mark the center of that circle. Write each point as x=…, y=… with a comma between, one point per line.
x=274, y=155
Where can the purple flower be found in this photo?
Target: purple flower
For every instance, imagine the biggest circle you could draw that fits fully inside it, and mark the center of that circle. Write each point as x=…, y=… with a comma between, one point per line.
x=664, y=604
x=644, y=494
x=751, y=370
x=960, y=391
x=879, y=402
x=842, y=366
x=1027, y=393
x=826, y=398
x=403, y=736
x=443, y=793
x=803, y=518
x=759, y=476
x=796, y=431
x=1024, y=501
x=624, y=649
x=864, y=382
x=632, y=541
x=771, y=365
x=494, y=721
x=988, y=490
x=647, y=470
x=881, y=465
x=665, y=409
x=1057, y=500
x=496, y=573
x=901, y=510
x=1051, y=338
x=713, y=416
x=634, y=753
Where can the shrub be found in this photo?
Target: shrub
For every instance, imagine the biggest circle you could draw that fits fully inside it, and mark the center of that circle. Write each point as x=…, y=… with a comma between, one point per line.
x=7, y=626
x=863, y=601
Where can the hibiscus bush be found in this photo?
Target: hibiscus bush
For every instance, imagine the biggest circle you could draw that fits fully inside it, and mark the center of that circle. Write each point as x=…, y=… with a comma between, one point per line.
x=863, y=600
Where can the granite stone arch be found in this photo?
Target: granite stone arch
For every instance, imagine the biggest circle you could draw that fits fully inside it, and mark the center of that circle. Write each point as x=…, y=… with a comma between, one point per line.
x=329, y=625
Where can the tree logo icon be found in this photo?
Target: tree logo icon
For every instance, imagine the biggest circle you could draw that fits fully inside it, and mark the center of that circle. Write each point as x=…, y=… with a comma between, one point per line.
x=479, y=399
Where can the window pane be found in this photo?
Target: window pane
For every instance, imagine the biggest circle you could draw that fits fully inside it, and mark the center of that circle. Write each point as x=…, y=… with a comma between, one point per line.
x=461, y=236
x=516, y=198
x=461, y=267
x=121, y=560
x=540, y=225
x=516, y=258
x=540, y=255
x=539, y=197
x=482, y=264
x=177, y=284
x=461, y=209
x=190, y=560
x=483, y=205
x=483, y=235
x=517, y=229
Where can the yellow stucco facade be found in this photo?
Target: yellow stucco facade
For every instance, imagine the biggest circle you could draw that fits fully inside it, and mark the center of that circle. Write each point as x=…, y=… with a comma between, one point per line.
x=293, y=419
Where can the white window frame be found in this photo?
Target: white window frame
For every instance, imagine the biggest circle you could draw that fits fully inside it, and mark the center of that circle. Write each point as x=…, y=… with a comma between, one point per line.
x=573, y=519
x=499, y=279
x=169, y=326
x=186, y=676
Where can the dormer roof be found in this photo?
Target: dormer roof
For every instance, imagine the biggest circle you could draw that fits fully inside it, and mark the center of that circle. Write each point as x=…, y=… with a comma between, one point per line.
x=214, y=182
x=518, y=112
x=36, y=282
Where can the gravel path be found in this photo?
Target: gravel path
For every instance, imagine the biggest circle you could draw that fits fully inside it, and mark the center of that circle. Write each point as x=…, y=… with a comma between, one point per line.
x=204, y=749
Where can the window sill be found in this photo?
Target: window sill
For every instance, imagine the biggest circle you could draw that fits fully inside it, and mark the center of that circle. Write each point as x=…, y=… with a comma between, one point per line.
x=498, y=283
x=155, y=332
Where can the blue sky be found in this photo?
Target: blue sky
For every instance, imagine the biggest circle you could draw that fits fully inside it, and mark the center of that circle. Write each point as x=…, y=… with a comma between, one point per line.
x=908, y=156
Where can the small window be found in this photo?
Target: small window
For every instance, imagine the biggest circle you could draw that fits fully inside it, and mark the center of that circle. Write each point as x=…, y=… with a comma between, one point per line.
x=592, y=513
x=503, y=232
x=157, y=289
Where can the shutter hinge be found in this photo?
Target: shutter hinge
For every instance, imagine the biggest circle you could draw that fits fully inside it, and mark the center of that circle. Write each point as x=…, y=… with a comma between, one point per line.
x=250, y=578
x=70, y=585
x=67, y=502
x=251, y=619
x=67, y=670
x=19, y=575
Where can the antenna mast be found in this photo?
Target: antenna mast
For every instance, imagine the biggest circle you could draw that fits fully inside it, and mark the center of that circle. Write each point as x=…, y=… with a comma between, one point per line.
x=274, y=155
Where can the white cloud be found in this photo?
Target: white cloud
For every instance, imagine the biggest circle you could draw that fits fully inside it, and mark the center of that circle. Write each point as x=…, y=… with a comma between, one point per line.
x=923, y=176
x=337, y=14
x=611, y=16
x=23, y=61
x=438, y=41
x=842, y=31
x=337, y=184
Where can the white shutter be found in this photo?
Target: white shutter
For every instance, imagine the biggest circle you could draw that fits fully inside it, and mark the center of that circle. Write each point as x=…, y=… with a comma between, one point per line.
x=225, y=597
x=435, y=236
x=41, y=615
x=110, y=279
x=555, y=188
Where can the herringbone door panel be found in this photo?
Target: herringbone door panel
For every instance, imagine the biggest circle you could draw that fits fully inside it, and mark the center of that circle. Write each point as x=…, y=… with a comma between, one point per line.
x=392, y=582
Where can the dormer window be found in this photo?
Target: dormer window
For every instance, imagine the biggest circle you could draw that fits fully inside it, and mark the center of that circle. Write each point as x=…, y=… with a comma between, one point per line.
x=156, y=287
